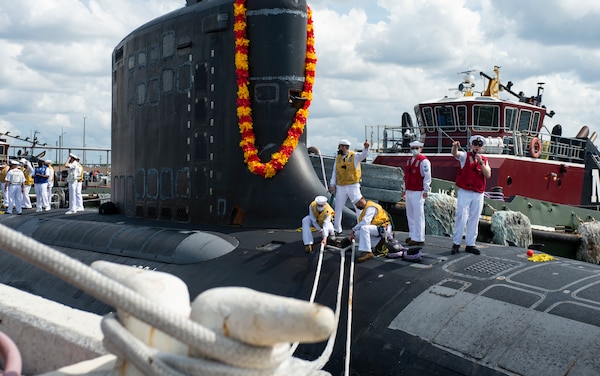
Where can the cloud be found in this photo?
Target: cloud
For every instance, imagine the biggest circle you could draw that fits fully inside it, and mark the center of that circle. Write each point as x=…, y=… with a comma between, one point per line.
x=377, y=59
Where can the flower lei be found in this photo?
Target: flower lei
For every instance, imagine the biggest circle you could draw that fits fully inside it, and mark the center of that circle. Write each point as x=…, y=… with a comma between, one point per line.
x=244, y=112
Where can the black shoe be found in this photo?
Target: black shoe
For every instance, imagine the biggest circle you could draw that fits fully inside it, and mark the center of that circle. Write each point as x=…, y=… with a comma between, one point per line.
x=413, y=242
x=472, y=249
x=455, y=248
x=407, y=240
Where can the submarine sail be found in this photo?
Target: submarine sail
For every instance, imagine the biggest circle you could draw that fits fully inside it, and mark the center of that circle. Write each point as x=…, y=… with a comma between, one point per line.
x=175, y=126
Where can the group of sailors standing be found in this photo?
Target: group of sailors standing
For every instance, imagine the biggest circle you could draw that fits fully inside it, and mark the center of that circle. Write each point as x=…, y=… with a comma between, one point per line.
x=374, y=223
x=16, y=179
x=18, y=176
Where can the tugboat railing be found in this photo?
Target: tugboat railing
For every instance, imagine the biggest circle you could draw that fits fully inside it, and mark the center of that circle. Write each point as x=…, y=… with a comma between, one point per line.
x=514, y=143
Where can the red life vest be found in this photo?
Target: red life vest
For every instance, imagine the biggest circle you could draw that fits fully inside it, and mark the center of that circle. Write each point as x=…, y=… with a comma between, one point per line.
x=470, y=176
x=413, y=180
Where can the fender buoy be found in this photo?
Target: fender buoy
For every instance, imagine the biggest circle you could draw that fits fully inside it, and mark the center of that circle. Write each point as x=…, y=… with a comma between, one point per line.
x=535, y=147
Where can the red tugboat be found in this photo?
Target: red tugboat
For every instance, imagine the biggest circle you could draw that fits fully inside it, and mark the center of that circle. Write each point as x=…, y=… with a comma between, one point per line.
x=526, y=158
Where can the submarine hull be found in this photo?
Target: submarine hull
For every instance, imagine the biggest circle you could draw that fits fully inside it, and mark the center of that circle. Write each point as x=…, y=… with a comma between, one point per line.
x=493, y=314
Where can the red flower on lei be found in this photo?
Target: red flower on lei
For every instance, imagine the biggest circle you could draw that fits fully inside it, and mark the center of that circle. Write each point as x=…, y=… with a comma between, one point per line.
x=244, y=111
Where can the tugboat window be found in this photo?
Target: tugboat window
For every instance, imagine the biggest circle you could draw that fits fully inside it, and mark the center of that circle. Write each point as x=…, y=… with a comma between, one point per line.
x=486, y=118
x=510, y=118
x=461, y=113
x=534, y=125
x=445, y=118
x=524, y=120
x=428, y=117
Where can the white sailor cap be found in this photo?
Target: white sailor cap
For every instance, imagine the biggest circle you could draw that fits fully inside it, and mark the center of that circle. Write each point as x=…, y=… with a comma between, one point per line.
x=23, y=160
x=344, y=142
x=13, y=162
x=48, y=161
x=73, y=156
x=416, y=143
x=477, y=138
x=357, y=200
x=321, y=200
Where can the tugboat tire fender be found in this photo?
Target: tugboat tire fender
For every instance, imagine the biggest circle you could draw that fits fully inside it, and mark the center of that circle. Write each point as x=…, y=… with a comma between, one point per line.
x=535, y=147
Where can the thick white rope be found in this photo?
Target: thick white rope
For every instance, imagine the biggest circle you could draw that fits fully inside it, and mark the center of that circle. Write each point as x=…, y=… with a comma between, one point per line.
x=313, y=293
x=124, y=345
x=152, y=362
x=328, y=350
x=349, y=319
x=324, y=358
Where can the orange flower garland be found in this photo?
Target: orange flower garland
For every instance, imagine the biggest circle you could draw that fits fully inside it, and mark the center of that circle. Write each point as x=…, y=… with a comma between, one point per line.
x=244, y=112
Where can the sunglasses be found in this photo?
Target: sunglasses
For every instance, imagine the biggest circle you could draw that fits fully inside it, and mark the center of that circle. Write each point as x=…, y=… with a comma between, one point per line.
x=477, y=143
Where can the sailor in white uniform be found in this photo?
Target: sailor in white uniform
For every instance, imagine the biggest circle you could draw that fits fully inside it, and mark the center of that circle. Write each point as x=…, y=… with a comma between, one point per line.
x=15, y=185
x=75, y=179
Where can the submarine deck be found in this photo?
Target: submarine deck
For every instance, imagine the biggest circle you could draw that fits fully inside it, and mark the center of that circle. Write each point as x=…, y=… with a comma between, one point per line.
x=492, y=314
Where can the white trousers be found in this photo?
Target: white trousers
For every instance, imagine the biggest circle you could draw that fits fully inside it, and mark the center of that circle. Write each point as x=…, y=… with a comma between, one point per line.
x=75, y=197
x=368, y=237
x=415, y=215
x=15, y=198
x=41, y=196
x=307, y=236
x=343, y=193
x=468, y=209
x=26, y=200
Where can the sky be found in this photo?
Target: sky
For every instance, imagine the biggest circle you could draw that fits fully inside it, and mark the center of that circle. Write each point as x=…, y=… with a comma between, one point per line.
x=376, y=60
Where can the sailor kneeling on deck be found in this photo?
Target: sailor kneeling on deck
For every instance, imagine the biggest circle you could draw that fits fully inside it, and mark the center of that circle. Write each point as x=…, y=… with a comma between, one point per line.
x=320, y=214
x=374, y=223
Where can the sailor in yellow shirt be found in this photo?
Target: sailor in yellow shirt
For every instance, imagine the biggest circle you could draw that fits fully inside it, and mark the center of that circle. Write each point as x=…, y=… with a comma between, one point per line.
x=3, y=172
x=28, y=171
x=373, y=223
x=345, y=179
x=319, y=216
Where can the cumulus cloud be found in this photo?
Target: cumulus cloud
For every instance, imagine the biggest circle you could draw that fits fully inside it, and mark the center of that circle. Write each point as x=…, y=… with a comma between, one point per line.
x=377, y=59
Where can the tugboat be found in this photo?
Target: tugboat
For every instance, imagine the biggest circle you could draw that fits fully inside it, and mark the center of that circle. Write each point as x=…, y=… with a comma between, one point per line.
x=527, y=158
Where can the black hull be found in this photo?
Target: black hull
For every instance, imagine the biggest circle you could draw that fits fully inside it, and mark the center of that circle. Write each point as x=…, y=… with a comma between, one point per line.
x=445, y=315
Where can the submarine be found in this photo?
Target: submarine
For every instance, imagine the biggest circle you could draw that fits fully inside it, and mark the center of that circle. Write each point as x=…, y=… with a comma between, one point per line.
x=203, y=198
